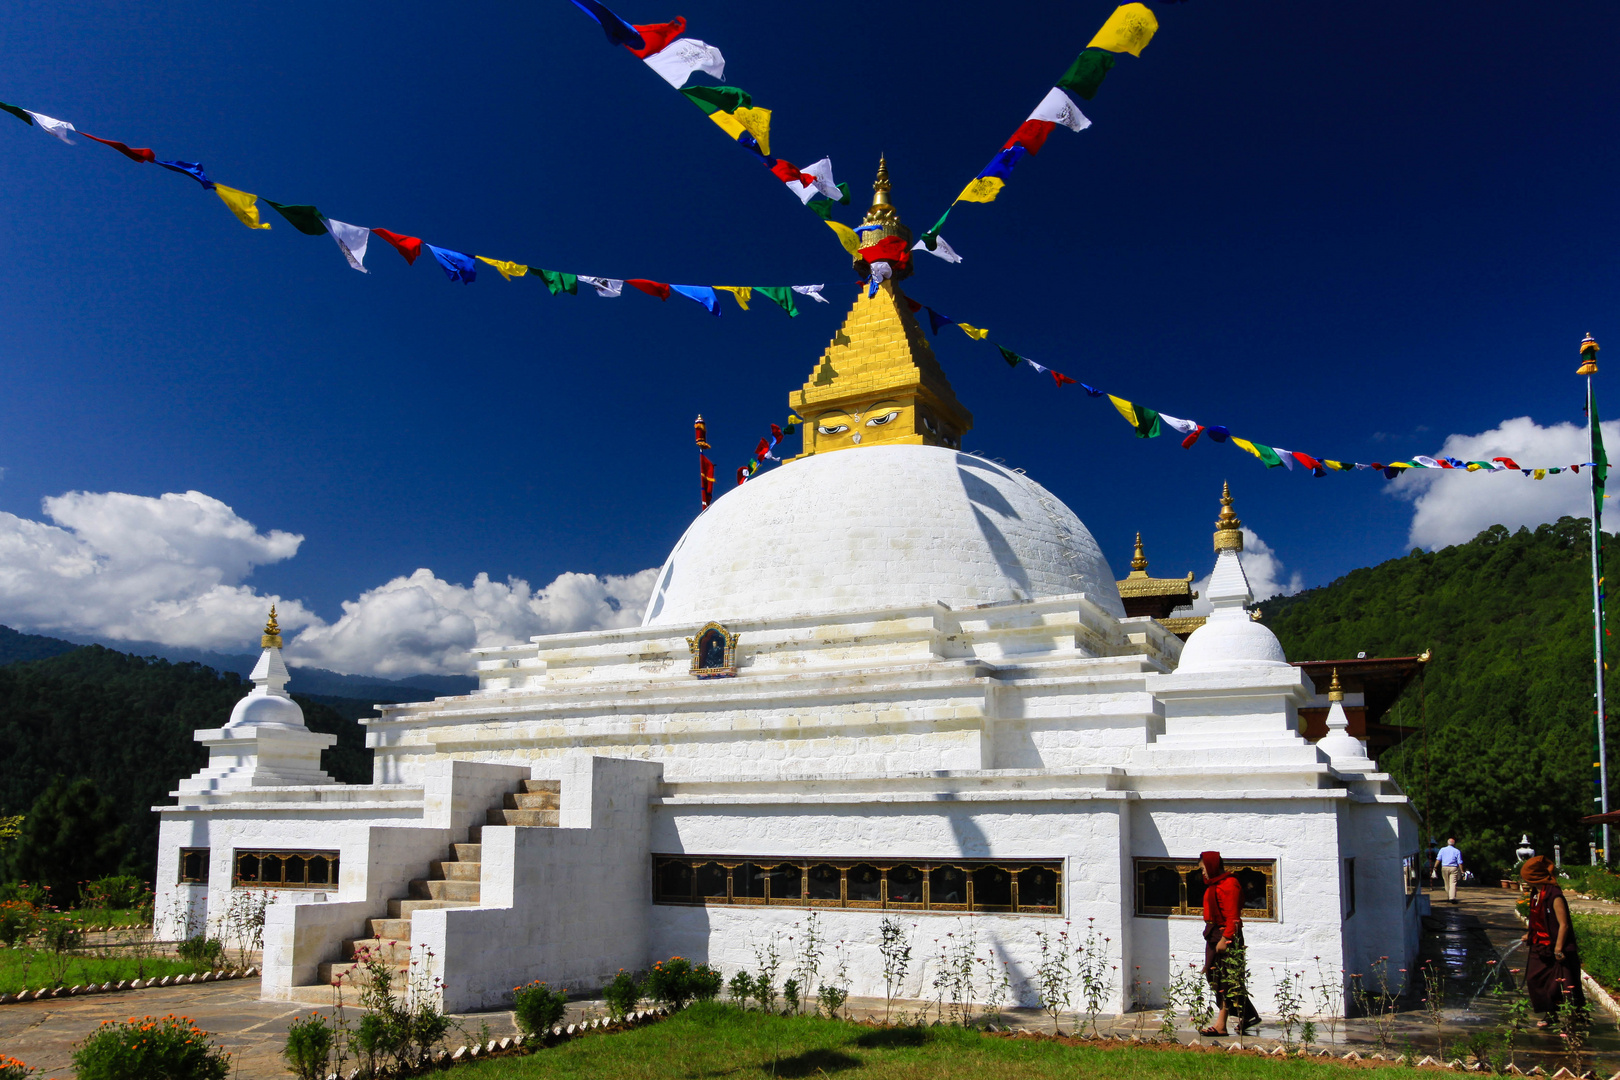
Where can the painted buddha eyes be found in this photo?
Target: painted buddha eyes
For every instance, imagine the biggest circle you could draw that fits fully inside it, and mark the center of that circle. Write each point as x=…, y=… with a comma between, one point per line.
x=886, y=418
x=831, y=429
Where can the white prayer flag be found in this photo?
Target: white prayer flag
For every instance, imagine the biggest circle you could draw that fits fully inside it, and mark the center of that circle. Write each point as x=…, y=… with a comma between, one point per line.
x=1427, y=462
x=53, y=126
x=820, y=177
x=1186, y=427
x=812, y=291
x=1287, y=456
x=1058, y=108
x=676, y=61
x=605, y=287
x=352, y=241
x=941, y=249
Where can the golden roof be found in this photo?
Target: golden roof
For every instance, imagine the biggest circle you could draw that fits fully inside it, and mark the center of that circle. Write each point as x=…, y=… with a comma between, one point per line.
x=1182, y=625
x=878, y=381
x=1137, y=582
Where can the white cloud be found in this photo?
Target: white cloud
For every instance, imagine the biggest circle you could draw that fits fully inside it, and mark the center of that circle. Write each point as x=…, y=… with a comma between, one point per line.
x=423, y=623
x=1263, y=569
x=1451, y=507
x=172, y=569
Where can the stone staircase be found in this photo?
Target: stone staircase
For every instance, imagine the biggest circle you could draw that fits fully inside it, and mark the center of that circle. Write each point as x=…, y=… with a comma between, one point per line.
x=451, y=883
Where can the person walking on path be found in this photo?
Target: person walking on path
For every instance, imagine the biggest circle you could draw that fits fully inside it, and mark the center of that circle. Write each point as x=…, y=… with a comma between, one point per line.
x=1552, y=972
x=1448, y=863
x=1224, y=963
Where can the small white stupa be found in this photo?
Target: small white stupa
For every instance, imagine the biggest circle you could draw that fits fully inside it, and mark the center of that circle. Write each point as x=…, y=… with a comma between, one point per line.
x=1346, y=752
x=266, y=743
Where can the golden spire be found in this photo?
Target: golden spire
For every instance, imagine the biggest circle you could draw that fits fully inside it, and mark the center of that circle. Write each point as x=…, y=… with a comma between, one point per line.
x=1228, y=529
x=1335, y=691
x=1589, y=351
x=272, y=632
x=887, y=219
x=1139, y=560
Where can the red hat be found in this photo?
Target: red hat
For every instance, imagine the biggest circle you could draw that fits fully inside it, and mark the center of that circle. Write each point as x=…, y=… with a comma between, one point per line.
x=1212, y=863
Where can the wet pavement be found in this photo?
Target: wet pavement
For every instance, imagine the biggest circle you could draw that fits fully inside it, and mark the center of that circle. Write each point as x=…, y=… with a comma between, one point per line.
x=1469, y=942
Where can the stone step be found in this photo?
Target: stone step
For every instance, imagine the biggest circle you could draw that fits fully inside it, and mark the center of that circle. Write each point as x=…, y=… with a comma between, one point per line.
x=465, y=891
x=396, y=952
x=453, y=871
x=528, y=818
x=354, y=974
x=401, y=909
x=467, y=852
x=534, y=786
x=397, y=929
x=539, y=800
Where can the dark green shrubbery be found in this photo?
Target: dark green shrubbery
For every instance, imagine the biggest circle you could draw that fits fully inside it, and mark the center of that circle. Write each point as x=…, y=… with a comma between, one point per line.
x=172, y=1047
x=203, y=950
x=622, y=995
x=309, y=1047
x=706, y=982
x=537, y=1008
x=676, y=981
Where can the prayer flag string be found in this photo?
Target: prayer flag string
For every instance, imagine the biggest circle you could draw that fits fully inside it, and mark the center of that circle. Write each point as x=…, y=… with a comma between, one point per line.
x=458, y=266
x=1151, y=423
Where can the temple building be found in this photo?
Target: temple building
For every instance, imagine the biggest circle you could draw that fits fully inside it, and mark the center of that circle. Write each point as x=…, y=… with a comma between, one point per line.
x=1158, y=598
x=888, y=677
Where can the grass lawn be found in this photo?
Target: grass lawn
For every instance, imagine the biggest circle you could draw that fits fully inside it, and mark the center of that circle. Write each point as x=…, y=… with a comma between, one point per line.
x=35, y=969
x=1599, y=938
x=112, y=916
x=715, y=1040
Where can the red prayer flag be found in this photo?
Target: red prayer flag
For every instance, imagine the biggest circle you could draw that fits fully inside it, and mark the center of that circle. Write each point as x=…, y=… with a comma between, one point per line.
x=408, y=246
x=916, y=307
x=786, y=171
x=134, y=153
x=892, y=248
x=1186, y=444
x=706, y=478
x=762, y=449
x=1031, y=135
x=1060, y=378
x=1509, y=462
x=651, y=288
x=1310, y=462
x=742, y=474
x=658, y=36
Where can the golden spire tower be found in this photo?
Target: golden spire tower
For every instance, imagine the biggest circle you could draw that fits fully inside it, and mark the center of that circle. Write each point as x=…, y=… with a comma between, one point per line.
x=272, y=632
x=878, y=382
x=1228, y=529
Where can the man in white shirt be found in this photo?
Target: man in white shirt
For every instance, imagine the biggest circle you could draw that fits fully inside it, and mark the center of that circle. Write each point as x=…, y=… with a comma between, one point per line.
x=1448, y=863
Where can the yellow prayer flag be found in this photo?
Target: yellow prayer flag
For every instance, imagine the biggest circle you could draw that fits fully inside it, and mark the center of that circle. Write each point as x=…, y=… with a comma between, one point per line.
x=847, y=237
x=509, y=270
x=243, y=205
x=1541, y=474
x=743, y=293
x=973, y=331
x=1336, y=466
x=1128, y=29
x=1474, y=466
x=758, y=123
x=1245, y=444
x=1126, y=409
x=982, y=189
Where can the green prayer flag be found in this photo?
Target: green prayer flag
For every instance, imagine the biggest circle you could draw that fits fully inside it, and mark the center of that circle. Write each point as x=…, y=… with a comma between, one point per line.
x=1087, y=72
x=22, y=114
x=845, y=189
x=930, y=237
x=822, y=208
x=713, y=99
x=306, y=219
x=1147, y=424
x=1600, y=458
x=1269, y=456
x=781, y=295
x=557, y=281
x=1013, y=360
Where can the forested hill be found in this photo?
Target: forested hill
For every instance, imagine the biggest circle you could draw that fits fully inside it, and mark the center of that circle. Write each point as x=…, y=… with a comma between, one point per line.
x=125, y=722
x=1506, y=699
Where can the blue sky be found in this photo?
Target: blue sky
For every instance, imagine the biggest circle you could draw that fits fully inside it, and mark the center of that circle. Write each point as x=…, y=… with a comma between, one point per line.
x=1352, y=229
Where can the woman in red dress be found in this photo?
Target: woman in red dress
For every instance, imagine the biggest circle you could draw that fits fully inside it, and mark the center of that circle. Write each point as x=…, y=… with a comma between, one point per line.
x=1224, y=964
x=1552, y=972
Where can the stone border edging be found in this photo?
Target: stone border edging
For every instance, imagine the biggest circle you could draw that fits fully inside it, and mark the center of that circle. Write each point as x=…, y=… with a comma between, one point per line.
x=1593, y=989
x=126, y=984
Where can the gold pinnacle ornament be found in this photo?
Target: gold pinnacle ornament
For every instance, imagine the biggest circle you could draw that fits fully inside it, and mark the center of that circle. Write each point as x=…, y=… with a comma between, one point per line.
x=1228, y=529
x=1335, y=691
x=1139, y=560
x=272, y=632
x=1589, y=351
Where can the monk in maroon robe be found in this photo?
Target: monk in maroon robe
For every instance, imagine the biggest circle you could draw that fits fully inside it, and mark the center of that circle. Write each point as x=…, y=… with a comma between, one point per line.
x=1223, y=932
x=1552, y=972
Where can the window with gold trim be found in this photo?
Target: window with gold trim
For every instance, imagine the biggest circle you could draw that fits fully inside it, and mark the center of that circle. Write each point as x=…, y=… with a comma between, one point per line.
x=285, y=869
x=1018, y=886
x=193, y=866
x=1175, y=887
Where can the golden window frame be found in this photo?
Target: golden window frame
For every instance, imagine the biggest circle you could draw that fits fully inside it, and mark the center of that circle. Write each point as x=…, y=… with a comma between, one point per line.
x=728, y=666
x=1186, y=907
x=293, y=869
x=740, y=870
x=188, y=856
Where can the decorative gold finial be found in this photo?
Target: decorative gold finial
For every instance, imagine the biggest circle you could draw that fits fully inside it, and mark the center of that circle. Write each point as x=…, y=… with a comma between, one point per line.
x=883, y=214
x=1335, y=691
x=1589, y=351
x=1139, y=560
x=1228, y=529
x=272, y=632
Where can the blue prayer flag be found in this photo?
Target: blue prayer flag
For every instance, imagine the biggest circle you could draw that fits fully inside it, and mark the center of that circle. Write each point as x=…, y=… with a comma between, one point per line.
x=618, y=31
x=458, y=265
x=936, y=320
x=1001, y=166
x=702, y=294
x=192, y=169
x=1218, y=433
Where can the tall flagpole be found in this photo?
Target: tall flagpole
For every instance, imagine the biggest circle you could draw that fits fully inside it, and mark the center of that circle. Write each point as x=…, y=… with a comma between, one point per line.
x=1589, y=351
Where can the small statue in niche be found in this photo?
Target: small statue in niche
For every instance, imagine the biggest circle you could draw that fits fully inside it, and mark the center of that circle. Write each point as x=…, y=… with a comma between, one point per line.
x=714, y=652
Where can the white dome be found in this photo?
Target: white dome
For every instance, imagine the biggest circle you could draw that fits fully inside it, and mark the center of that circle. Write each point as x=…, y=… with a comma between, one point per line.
x=260, y=708
x=879, y=526
x=1230, y=639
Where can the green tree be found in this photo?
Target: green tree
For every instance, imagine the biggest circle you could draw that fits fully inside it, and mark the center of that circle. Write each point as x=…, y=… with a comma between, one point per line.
x=70, y=834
